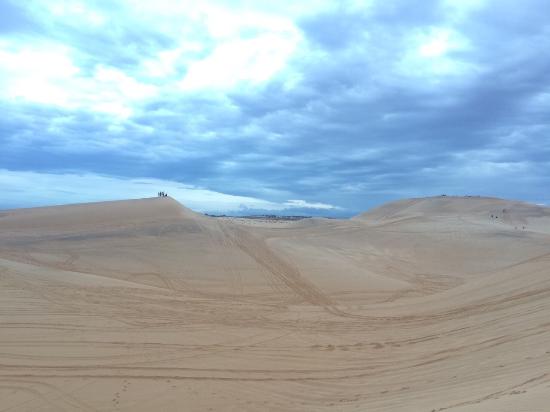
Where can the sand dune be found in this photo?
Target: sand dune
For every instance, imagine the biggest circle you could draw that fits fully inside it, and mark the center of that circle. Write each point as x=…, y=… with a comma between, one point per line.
x=429, y=304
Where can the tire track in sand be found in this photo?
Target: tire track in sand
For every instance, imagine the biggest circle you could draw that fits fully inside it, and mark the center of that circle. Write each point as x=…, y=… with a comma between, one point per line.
x=281, y=270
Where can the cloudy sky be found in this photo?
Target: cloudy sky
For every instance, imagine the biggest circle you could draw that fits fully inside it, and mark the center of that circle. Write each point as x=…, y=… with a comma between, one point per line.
x=317, y=107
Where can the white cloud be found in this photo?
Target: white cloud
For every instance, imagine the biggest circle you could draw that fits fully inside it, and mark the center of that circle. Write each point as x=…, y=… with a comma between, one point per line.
x=302, y=204
x=164, y=64
x=47, y=74
x=430, y=55
x=246, y=46
x=458, y=10
x=250, y=48
x=436, y=45
x=239, y=10
x=36, y=74
x=437, y=42
x=77, y=12
x=113, y=91
x=36, y=189
x=250, y=60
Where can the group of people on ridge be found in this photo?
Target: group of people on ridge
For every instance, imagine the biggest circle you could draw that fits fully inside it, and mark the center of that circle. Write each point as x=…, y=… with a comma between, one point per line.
x=162, y=194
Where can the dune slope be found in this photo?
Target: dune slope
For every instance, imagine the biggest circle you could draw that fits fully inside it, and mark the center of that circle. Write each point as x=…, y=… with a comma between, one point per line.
x=420, y=305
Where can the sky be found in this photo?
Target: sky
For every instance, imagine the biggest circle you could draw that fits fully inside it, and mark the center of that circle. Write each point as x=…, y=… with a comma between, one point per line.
x=322, y=108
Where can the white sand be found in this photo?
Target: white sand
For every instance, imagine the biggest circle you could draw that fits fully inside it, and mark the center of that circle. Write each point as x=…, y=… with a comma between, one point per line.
x=143, y=305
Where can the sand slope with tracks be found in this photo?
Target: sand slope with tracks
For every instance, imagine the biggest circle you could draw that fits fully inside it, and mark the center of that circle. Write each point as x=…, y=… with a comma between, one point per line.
x=429, y=304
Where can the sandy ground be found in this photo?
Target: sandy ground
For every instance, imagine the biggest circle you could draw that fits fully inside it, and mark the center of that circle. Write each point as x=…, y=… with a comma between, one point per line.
x=421, y=305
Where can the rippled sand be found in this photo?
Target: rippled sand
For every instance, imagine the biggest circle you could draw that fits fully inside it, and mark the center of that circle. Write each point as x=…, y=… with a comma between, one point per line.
x=420, y=305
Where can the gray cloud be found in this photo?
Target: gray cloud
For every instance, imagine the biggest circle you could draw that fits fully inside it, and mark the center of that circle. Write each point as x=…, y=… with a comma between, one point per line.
x=356, y=117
